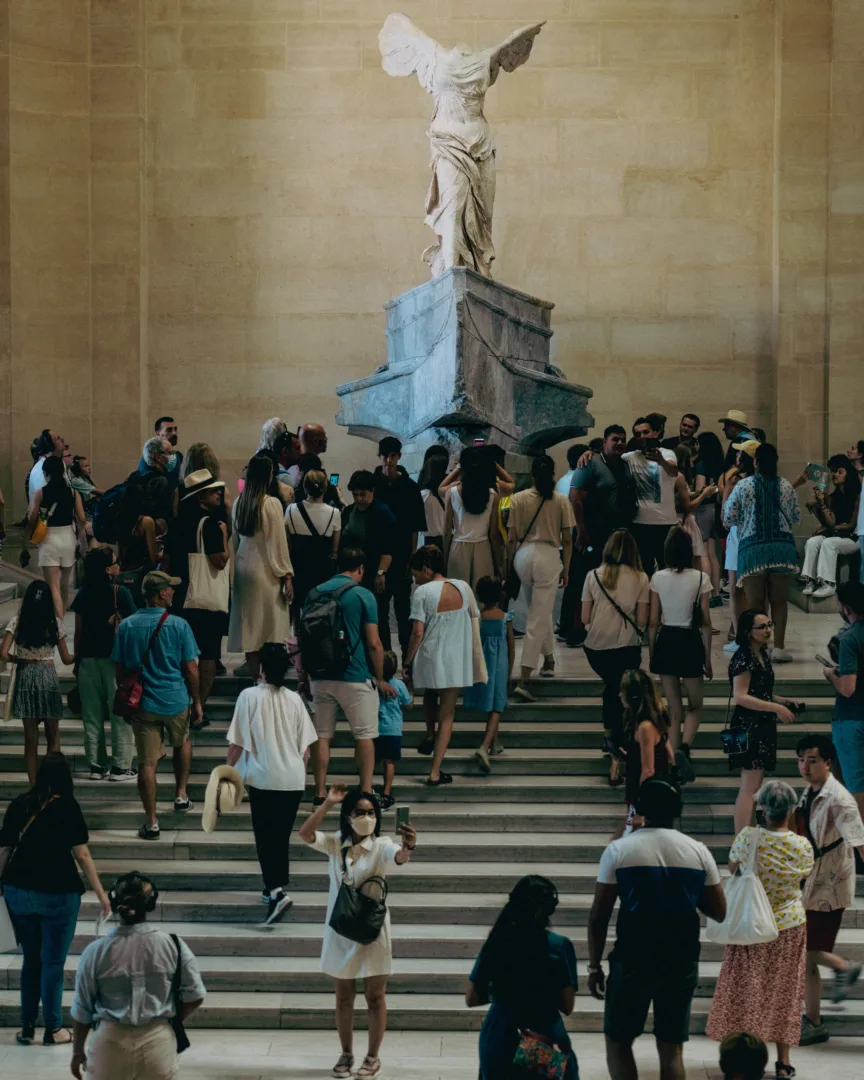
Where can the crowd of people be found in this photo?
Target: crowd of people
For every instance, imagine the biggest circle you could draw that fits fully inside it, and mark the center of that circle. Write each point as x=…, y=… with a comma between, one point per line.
x=634, y=535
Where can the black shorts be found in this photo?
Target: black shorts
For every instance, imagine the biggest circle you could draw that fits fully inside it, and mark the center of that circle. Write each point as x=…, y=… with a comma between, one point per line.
x=209, y=627
x=680, y=651
x=388, y=748
x=634, y=985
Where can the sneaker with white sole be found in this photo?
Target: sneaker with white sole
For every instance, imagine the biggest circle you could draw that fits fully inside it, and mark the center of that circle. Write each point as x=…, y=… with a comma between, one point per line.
x=523, y=693
x=278, y=904
x=811, y=1033
x=119, y=775
x=481, y=756
x=97, y=773
x=810, y=587
x=344, y=1066
x=182, y=806
x=781, y=656
x=826, y=590
x=844, y=981
x=149, y=832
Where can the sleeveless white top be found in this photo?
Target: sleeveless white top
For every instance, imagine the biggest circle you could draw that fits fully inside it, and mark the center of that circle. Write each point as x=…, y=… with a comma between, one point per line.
x=469, y=528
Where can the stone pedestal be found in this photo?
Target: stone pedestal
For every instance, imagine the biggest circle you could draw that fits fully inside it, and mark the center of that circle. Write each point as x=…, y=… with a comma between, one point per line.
x=467, y=359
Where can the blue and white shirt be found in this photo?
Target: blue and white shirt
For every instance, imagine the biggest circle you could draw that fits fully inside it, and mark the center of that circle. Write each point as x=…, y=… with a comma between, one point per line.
x=660, y=875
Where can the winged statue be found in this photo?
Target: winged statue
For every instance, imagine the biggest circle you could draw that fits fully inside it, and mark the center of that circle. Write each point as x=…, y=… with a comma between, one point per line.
x=461, y=195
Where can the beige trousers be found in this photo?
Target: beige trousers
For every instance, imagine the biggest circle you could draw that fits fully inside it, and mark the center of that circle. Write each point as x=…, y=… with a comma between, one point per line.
x=132, y=1053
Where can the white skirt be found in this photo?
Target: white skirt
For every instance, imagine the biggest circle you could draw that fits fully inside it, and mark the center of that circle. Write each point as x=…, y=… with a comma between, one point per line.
x=58, y=547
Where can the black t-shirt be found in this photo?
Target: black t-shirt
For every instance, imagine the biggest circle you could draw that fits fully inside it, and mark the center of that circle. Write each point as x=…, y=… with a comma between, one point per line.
x=96, y=608
x=610, y=495
x=43, y=860
x=182, y=541
x=404, y=500
x=59, y=495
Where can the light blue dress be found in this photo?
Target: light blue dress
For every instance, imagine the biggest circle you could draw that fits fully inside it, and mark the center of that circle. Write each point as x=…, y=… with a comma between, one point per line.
x=491, y=696
x=445, y=658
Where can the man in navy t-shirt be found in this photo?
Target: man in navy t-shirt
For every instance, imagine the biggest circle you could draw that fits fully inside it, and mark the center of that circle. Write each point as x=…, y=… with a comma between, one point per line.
x=847, y=722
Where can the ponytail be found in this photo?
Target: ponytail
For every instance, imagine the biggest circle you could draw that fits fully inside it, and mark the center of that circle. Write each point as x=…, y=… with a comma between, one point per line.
x=543, y=474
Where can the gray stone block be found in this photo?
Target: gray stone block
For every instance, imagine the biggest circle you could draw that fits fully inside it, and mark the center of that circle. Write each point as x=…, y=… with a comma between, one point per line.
x=467, y=358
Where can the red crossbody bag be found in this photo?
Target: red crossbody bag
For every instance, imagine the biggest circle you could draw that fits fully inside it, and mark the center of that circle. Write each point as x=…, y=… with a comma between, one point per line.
x=127, y=699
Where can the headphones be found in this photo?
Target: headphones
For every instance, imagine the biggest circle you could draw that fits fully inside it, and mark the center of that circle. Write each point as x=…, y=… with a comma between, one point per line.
x=149, y=901
x=44, y=442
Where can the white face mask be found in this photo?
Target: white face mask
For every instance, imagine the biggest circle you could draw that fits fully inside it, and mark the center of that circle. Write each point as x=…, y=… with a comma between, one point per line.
x=363, y=826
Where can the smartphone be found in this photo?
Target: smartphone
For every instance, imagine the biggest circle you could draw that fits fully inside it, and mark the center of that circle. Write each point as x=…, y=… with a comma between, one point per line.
x=479, y=442
x=652, y=444
x=334, y=479
x=403, y=816
x=824, y=661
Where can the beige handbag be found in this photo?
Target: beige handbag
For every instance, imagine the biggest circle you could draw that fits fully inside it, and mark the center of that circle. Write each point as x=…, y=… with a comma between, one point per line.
x=481, y=675
x=10, y=693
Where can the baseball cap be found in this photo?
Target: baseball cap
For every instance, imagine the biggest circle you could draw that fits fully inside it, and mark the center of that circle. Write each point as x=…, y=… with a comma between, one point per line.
x=156, y=581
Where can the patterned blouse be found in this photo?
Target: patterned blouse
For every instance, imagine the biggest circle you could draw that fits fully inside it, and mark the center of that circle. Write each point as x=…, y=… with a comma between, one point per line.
x=783, y=861
x=746, y=507
x=27, y=652
x=833, y=816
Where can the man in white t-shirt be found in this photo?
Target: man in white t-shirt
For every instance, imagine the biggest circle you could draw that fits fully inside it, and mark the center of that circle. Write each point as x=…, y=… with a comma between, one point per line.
x=663, y=880
x=653, y=470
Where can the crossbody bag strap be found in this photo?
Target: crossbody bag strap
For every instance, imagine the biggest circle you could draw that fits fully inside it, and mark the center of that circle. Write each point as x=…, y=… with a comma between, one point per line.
x=543, y=502
x=304, y=514
x=818, y=852
x=152, y=640
x=619, y=609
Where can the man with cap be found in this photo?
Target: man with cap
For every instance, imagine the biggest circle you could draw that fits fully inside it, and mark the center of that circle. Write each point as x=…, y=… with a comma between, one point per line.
x=198, y=530
x=163, y=648
x=664, y=879
x=736, y=428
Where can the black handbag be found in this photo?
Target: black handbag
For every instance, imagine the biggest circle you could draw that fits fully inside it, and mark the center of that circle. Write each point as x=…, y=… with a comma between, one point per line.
x=356, y=915
x=177, y=1020
x=734, y=740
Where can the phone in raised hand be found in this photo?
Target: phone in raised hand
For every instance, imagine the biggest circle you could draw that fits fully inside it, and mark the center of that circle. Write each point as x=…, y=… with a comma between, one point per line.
x=403, y=816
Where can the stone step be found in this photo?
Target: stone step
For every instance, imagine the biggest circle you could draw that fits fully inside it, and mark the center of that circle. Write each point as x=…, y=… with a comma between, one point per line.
x=301, y=974
x=544, y=761
x=409, y=940
x=556, y=848
x=220, y=876
x=405, y=1012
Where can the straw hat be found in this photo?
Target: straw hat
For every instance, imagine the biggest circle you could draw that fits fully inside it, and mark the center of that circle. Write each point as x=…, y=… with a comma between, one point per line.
x=735, y=416
x=225, y=791
x=200, y=480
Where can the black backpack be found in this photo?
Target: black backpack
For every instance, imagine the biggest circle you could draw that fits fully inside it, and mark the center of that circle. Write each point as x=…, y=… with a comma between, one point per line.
x=325, y=647
x=106, y=514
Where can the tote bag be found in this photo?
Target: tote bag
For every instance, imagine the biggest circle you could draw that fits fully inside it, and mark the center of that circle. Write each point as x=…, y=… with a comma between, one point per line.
x=209, y=588
x=8, y=942
x=749, y=918
x=10, y=694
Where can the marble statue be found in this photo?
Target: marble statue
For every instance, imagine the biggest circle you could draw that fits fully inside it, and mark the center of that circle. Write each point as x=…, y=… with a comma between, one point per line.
x=462, y=193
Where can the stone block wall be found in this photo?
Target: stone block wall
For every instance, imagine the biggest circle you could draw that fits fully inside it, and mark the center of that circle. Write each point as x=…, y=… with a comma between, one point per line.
x=215, y=198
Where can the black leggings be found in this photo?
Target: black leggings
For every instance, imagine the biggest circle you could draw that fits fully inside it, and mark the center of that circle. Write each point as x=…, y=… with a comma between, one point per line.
x=610, y=665
x=273, y=815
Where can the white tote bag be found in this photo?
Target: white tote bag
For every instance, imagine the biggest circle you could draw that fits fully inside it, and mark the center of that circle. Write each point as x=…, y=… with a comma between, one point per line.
x=209, y=588
x=7, y=933
x=749, y=917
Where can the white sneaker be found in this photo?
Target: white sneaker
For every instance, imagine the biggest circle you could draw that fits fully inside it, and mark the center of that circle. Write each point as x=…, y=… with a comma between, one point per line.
x=824, y=591
x=810, y=587
x=781, y=656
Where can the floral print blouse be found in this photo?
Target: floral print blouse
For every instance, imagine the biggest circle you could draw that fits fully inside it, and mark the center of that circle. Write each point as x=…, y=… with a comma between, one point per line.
x=783, y=861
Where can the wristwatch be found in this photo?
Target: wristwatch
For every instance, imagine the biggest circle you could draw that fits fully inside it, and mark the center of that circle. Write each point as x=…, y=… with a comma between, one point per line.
x=381, y=573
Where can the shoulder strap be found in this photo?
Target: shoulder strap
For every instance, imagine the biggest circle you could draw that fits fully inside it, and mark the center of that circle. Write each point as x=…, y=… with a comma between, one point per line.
x=619, y=609
x=153, y=637
x=818, y=852
x=531, y=526
x=305, y=515
x=199, y=540
x=175, y=978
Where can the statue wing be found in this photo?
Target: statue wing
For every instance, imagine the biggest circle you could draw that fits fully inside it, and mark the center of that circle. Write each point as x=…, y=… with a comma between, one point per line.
x=406, y=50
x=513, y=52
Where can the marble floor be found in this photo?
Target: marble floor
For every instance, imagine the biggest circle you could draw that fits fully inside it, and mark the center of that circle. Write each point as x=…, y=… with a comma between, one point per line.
x=409, y=1055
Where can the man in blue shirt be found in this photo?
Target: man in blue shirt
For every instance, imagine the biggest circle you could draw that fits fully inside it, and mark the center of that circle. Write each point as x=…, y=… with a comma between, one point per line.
x=166, y=428
x=170, y=679
x=847, y=678
x=353, y=691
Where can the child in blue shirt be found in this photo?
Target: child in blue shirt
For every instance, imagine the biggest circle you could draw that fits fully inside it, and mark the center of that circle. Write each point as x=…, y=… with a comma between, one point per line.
x=388, y=745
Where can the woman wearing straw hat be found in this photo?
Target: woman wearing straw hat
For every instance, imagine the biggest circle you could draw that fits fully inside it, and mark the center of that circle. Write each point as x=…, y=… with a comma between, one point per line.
x=197, y=530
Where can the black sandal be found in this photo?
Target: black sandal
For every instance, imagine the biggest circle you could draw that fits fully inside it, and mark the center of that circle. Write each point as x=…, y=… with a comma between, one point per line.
x=783, y=1072
x=443, y=778
x=24, y=1037
x=49, y=1039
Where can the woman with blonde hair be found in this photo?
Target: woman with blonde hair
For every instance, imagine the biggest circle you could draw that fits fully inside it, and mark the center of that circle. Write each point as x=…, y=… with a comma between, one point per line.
x=200, y=456
x=615, y=611
x=313, y=529
x=263, y=574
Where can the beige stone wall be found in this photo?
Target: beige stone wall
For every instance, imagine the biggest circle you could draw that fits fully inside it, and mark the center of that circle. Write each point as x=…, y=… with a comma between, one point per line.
x=211, y=200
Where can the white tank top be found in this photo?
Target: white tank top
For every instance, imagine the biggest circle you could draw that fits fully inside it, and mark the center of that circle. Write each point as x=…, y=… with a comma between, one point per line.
x=469, y=528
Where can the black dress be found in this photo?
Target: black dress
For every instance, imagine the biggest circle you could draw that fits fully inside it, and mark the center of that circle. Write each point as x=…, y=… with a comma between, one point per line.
x=761, y=751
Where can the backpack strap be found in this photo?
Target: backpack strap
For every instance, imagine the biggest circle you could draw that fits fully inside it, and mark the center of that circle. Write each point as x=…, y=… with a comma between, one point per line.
x=304, y=514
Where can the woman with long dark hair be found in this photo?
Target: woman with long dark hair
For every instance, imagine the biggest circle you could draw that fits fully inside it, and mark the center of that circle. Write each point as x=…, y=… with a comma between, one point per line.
x=43, y=836
x=431, y=477
x=357, y=852
x=707, y=473
x=100, y=606
x=837, y=516
x=538, y=528
x=765, y=509
x=37, y=631
x=263, y=574
x=646, y=738
x=527, y=975
x=62, y=508
x=472, y=539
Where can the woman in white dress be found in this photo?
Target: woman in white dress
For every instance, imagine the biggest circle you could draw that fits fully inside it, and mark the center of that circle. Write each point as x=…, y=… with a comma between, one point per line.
x=359, y=851
x=263, y=585
x=440, y=649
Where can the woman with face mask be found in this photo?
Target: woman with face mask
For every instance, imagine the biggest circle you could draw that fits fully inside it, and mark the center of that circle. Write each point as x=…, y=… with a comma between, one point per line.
x=358, y=852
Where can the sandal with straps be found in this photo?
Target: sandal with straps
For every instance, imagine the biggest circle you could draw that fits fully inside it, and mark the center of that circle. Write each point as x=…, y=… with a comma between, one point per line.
x=783, y=1072
x=24, y=1037
x=57, y=1037
x=344, y=1065
x=371, y=1067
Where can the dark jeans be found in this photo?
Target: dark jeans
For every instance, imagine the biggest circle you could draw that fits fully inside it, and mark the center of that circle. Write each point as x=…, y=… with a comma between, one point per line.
x=273, y=814
x=570, y=620
x=650, y=540
x=610, y=665
x=398, y=589
x=45, y=926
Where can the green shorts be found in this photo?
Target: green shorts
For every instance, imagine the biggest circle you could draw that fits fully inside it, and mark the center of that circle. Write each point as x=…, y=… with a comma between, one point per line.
x=633, y=986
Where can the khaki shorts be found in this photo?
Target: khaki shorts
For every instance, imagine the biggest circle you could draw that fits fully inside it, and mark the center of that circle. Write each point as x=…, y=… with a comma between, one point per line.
x=358, y=702
x=152, y=729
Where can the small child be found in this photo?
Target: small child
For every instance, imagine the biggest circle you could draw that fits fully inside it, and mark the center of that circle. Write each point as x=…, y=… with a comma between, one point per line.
x=36, y=631
x=646, y=733
x=743, y=1057
x=499, y=651
x=388, y=745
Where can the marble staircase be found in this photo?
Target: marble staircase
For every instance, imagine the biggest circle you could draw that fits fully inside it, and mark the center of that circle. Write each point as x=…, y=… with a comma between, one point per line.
x=546, y=808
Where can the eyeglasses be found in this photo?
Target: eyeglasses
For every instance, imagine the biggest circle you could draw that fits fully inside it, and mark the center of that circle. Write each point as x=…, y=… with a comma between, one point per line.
x=363, y=813
x=764, y=626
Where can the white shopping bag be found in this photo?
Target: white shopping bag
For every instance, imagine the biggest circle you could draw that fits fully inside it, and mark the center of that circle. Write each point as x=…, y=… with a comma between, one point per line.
x=749, y=917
